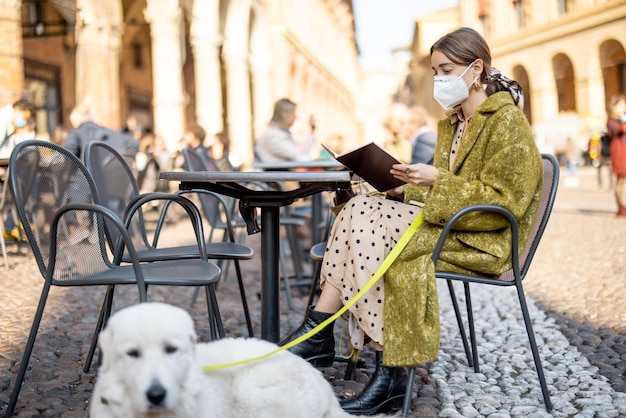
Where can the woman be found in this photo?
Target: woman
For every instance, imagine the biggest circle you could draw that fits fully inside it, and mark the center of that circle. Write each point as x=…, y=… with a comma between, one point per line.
x=276, y=143
x=616, y=129
x=485, y=154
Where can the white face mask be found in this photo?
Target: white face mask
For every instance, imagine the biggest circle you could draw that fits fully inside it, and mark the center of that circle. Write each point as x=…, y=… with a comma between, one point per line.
x=451, y=90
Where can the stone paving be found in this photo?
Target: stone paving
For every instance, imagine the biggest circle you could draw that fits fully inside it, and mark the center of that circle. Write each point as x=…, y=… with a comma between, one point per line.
x=576, y=295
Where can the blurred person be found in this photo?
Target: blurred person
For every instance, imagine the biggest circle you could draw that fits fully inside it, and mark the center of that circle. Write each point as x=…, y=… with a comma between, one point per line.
x=86, y=130
x=58, y=135
x=421, y=136
x=310, y=140
x=572, y=155
x=616, y=129
x=219, y=149
x=335, y=143
x=17, y=122
x=133, y=128
x=194, y=139
x=277, y=143
x=16, y=125
x=152, y=158
x=395, y=141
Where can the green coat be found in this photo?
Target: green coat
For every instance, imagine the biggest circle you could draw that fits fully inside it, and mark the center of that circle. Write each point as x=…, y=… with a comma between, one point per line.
x=496, y=164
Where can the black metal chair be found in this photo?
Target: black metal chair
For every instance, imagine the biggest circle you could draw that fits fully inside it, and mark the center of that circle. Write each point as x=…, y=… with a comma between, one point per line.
x=521, y=264
x=6, y=203
x=117, y=189
x=65, y=227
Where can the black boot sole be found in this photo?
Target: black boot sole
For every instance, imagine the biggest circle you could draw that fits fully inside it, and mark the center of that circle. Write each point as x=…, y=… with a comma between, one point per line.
x=388, y=405
x=321, y=360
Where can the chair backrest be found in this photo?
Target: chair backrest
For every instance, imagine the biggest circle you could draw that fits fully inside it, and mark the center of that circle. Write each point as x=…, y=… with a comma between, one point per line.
x=548, y=195
x=209, y=205
x=116, y=185
x=44, y=179
x=6, y=200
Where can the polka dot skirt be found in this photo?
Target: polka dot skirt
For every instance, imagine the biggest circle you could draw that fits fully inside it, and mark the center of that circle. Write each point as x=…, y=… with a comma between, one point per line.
x=364, y=232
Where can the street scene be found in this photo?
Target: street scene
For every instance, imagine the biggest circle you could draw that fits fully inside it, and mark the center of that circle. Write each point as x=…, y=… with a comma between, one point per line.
x=575, y=295
x=342, y=137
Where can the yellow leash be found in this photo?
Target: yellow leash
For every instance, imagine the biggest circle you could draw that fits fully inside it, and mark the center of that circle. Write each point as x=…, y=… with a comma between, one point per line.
x=387, y=262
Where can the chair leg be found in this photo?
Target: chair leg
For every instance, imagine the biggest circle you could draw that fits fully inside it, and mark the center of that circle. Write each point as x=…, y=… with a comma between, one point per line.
x=296, y=251
x=353, y=361
x=459, y=321
x=533, y=348
x=194, y=298
x=315, y=282
x=215, y=318
x=105, y=312
x=286, y=283
x=28, y=350
x=470, y=322
x=244, y=300
x=406, y=406
x=4, y=247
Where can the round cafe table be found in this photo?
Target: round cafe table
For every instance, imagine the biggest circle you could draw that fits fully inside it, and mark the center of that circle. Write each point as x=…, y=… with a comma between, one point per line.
x=230, y=183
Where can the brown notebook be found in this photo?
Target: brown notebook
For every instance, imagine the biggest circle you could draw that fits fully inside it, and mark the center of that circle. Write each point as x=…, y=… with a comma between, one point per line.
x=372, y=164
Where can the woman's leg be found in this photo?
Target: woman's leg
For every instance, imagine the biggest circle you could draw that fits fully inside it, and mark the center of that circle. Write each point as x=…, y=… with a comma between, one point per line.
x=329, y=300
x=364, y=232
x=619, y=190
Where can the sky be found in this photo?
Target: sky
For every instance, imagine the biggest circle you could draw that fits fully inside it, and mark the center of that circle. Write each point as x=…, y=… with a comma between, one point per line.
x=382, y=25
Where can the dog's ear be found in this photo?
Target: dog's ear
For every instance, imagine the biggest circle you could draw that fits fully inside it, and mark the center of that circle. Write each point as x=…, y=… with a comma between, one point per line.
x=104, y=342
x=193, y=340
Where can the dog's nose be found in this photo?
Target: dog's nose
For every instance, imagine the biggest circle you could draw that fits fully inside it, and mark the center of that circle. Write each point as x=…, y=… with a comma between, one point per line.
x=156, y=394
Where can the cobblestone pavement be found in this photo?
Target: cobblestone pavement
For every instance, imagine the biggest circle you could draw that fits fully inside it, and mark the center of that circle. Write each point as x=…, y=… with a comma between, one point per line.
x=576, y=291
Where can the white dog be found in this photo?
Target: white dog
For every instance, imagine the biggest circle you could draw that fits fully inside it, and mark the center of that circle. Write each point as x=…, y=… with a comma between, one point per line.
x=152, y=368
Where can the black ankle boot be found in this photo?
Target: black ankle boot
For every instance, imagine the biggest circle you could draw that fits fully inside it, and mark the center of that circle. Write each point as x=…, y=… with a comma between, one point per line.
x=384, y=392
x=319, y=350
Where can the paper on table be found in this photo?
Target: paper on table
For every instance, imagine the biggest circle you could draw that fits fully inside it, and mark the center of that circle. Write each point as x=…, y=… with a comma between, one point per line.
x=372, y=163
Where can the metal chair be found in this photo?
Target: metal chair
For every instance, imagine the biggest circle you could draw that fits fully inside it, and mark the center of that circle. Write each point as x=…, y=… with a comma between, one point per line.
x=64, y=224
x=221, y=214
x=520, y=265
x=117, y=189
x=5, y=203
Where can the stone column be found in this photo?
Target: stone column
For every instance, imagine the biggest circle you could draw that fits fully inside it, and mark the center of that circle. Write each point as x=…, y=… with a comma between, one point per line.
x=235, y=55
x=165, y=19
x=205, y=41
x=595, y=86
x=11, y=63
x=261, y=69
x=239, y=110
x=98, y=62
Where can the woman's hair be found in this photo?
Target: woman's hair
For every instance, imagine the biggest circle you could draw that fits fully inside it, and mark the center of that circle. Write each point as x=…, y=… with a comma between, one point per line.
x=198, y=132
x=282, y=108
x=613, y=101
x=463, y=47
x=223, y=138
x=24, y=105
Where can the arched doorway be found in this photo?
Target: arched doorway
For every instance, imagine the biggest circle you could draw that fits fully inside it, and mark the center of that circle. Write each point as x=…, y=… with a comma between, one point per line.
x=613, y=63
x=521, y=76
x=564, y=79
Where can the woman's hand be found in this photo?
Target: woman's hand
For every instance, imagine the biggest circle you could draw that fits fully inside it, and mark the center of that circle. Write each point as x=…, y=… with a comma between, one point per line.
x=417, y=174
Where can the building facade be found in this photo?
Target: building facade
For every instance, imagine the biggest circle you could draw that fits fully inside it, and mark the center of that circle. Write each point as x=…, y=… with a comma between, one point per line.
x=568, y=55
x=171, y=63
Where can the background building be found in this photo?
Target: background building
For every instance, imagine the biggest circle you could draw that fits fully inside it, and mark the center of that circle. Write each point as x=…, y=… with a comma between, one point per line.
x=568, y=56
x=171, y=63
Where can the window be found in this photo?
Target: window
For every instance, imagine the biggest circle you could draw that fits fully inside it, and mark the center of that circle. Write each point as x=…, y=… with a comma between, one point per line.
x=564, y=6
x=137, y=55
x=518, y=8
x=482, y=17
